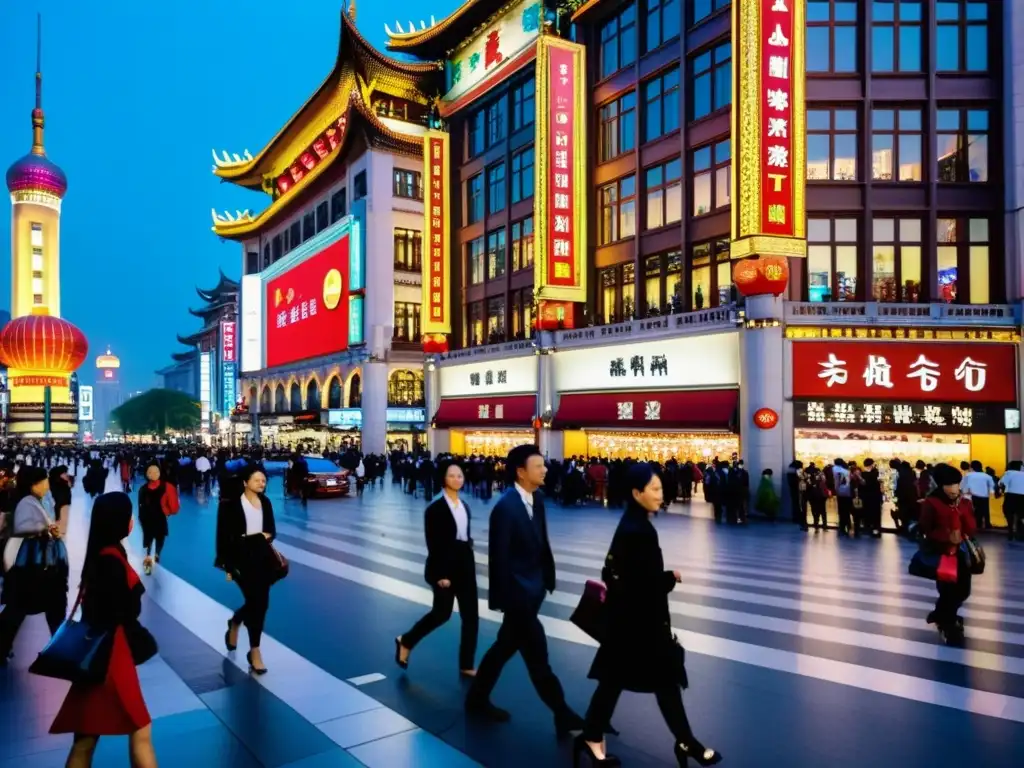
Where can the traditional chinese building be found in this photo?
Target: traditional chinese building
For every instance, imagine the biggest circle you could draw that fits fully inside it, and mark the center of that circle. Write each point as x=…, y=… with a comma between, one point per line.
x=207, y=370
x=330, y=339
x=760, y=177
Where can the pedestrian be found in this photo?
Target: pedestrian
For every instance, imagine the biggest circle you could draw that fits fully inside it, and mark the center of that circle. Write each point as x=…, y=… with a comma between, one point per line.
x=450, y=571
x=111, y=599
x=521, y=570
x=245, y=528
x=158, y=500
x=639, y=653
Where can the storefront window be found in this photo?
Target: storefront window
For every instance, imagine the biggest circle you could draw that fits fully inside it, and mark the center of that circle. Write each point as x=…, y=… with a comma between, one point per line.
x=496, y=320
x=963, y=249
x=832, y=257
x=522, y=314
x=407, y=321
x=628, y=291
x=662, y=446
x=979, y=253
x=475, y=324
x=896, y=260
x=652, y=284
x=609, y=294
x=405, y=389
x=711, y=274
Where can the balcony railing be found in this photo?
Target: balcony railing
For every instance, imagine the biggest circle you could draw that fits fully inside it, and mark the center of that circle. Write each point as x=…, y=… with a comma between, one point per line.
x=680, y=323
x=878, y=313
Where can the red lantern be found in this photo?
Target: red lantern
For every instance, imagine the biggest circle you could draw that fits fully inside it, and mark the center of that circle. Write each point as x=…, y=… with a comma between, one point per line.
x=435, y=343
x=763, y=276
x=775, y=274
x=746, y=277
x=765, y=418
x=42, y=343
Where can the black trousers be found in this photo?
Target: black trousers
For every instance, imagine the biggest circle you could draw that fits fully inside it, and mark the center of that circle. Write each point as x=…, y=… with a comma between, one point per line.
x=521, y=632
x=253, y=613
x=845, y=504
x=951, y=596
x=149, y=539
x=981, y=511
x=1013, y=508
x=670, y=702
x=463, y=589
x=13, y=617
x=798, y=508
x=819, y=511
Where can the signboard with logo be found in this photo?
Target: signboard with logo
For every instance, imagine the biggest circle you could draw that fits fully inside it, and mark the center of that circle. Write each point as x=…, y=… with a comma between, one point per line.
x=229, y=387
x=560, y=245
x=406, y=415
x=85, y=403
x=307, y=307
x=691, y=362
x=493, y=51
x=345, y=418
x=228, y=342
x=908, y=416
x=906, y=371
x=252, y=323
x=435, y=317
x=498, y=377
x=769, y=166
x=205, y=388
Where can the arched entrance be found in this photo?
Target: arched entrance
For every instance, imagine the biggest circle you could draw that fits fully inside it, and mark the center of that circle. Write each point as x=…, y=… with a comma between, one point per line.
x=355, y=391
x=334, y=393
x=279, y=404
x=265, y=400
x=313, y=396
x=296, y=397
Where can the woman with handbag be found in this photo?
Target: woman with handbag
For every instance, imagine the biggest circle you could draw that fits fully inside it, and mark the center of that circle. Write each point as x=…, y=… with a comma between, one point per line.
x=947, y=520
x=36, y=560
x=245, y=528
x=111, y=600
x=450, y=571
x=158, y=500
x=638, y=651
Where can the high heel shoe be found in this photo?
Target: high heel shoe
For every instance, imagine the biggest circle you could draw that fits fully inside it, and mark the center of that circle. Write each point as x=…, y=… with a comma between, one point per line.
x=580, y=748
x=398, y=654
x=227, y=637
x=252, y=669
x=698, y=752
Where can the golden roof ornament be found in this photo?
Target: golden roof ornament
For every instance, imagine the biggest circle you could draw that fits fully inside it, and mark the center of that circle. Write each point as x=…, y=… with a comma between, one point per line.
x=352, y=10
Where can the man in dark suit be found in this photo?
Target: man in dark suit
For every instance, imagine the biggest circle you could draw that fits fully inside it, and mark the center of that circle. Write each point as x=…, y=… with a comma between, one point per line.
x=521, y=569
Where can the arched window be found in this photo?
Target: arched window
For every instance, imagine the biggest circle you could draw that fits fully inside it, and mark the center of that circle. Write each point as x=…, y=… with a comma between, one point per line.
x=296, y=396
x=405, y=388
x=265, y=400
x=279, y=399
x=313, y=396
x=355, y=391
x=334, y=393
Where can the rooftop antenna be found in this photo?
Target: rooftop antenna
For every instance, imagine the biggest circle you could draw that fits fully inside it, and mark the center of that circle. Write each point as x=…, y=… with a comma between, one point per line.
x=37, y=114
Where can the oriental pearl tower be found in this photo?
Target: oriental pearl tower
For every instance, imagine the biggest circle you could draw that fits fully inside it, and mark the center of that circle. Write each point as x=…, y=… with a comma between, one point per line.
x=40, y=349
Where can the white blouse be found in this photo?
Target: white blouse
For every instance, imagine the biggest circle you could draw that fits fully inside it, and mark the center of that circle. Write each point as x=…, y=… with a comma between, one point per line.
x=253, y=517
x=461, y=517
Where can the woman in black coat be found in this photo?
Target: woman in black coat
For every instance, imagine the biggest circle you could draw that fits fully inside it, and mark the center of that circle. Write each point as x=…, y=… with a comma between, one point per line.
x=245, y=528
x=639, y=652
x=450, y=572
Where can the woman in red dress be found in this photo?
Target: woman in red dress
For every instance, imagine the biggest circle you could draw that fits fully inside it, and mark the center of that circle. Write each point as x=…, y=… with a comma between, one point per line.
x=112, y=601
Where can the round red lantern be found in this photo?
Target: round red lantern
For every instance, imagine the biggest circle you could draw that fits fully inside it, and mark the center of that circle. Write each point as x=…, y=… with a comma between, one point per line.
x=765, y=418
x=435, y=343
x=42, y=343
x=746, y=277
x=775, y=274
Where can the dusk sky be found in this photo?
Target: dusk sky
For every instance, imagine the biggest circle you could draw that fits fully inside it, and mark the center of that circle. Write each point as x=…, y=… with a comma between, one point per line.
x=136, y=95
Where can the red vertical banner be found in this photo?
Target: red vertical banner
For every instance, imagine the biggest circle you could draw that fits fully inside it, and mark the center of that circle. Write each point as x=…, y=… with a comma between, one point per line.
x=436, y=317
x=777, y=117
x=560, y=256
x=228, y=342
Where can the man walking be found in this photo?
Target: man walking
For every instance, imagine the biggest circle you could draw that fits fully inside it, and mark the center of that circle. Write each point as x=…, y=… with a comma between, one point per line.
x=521, y=570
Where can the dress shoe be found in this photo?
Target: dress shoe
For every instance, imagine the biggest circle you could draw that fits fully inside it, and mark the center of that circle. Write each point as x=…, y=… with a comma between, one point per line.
x=487, y=711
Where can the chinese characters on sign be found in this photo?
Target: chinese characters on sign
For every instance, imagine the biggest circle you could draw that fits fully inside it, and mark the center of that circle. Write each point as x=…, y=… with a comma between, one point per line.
x=777, y=30
x=484, y=411
x=228, y=342
x=953, y=373
x=901, y=417
x=560, y=140
x=658, y=366
x=296, y=313
x=435, y=317
x=489, y=378
x=652, y=410
x=229, y=388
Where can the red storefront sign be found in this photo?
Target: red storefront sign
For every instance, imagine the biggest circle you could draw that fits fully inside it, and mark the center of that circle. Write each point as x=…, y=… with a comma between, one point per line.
x=228, y=342
x=561, y=164
x=435, y=319
x=905, y=371
x=308, y=307
x=777, y=33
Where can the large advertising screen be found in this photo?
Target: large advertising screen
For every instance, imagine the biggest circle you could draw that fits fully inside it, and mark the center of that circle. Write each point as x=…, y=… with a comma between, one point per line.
x=252, y=323
x=307, y=312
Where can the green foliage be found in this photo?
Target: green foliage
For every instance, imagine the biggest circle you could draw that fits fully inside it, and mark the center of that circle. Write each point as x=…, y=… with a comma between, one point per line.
x=157, y=411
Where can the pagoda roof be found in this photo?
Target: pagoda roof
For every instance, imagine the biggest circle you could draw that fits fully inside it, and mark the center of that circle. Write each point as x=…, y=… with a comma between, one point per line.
x=212, y=309
x=324, y=107
x=360, y=120
x=432, y=43
x=195, y=338
x=184, y=357
x=224, y=285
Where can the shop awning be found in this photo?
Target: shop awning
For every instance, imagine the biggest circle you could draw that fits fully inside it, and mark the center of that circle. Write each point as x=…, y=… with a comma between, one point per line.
x=689, y=409
x=507, y=411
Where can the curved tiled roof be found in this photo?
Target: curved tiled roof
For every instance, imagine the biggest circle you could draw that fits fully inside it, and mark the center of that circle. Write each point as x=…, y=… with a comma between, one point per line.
x=434, y=41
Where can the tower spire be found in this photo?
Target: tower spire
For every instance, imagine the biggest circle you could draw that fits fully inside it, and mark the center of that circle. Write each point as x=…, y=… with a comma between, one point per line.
x=38, y=121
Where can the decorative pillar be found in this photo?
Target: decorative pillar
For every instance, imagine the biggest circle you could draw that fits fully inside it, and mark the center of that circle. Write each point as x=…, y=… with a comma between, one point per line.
x=432, y=399
x=375, y=407
x=762, y=437
x=546, y=403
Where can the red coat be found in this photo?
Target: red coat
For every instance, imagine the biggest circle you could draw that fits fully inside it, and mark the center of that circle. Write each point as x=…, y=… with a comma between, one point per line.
x=939, y=518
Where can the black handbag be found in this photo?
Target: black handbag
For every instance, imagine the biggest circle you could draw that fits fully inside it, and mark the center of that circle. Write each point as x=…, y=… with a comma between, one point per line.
x=924, y=564
x=77, y=652
x=975, y=556
x=591, y=613
x=278, y=565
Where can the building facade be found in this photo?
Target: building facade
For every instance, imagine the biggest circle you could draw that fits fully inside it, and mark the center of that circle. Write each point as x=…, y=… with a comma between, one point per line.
x=106, y=396
x=330, y=298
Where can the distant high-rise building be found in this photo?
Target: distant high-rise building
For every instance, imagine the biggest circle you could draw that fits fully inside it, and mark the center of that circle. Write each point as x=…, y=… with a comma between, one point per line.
x=106, y=392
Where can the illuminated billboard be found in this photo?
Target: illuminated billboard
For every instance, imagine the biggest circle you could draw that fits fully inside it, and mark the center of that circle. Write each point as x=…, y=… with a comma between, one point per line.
x=252, y=323
x=435, y=317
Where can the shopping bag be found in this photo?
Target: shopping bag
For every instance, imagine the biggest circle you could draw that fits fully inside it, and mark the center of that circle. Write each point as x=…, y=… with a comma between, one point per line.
x=924, y=565
x=590, y=614
x=947, y=570
x=77, y=652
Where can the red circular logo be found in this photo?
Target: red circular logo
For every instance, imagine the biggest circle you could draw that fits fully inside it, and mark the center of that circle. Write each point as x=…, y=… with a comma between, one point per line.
x=765, y=418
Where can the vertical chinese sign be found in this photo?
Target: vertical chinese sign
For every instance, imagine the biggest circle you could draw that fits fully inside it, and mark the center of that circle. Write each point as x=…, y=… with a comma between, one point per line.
x=769, y=132
x=560, y=277
x=435, y=321
x=229, y=363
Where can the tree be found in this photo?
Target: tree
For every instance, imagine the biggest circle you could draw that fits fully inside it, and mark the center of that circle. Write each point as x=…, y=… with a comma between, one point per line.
x=157, y=411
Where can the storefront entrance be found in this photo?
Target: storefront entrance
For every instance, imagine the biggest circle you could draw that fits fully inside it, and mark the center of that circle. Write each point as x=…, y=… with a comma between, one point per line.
x=489, y=443
x=651, y=446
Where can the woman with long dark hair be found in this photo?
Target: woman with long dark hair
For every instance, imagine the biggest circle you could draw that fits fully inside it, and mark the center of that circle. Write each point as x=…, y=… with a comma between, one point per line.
x=111, y=602
x=158, y=500
x=639, y=652
x=37, y=561
x=450, y=571
x=245, y=528
x=60, y=492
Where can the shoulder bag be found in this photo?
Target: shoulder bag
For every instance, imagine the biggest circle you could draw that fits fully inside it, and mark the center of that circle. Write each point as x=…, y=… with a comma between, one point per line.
x=975, y=555
x=77, y=652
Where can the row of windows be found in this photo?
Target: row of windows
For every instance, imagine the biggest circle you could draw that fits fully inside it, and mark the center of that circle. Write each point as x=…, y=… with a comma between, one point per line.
x=899, y=35
x=488, y=125
x=407, y=321
x=492, y=322
x=498, y=189
x=405, y=388
x=839, y=267
x=488, y=259
x=36, y=243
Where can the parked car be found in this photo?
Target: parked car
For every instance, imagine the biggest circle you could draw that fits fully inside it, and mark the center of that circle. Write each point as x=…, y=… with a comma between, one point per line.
x=324, y=478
